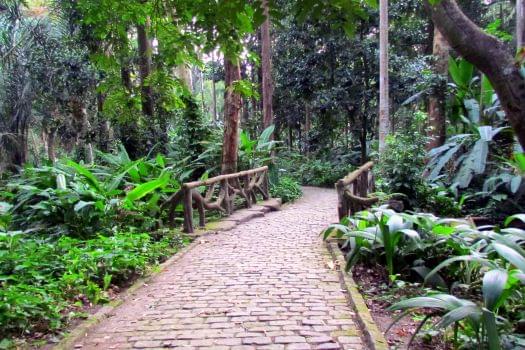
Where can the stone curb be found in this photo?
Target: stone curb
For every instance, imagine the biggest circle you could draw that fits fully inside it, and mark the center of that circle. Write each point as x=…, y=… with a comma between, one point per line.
x=373, y=337
x=80, y=331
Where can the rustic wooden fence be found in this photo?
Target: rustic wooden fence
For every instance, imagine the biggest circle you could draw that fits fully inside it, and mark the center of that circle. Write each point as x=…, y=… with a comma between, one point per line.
x=220, y=193
x=353, y=191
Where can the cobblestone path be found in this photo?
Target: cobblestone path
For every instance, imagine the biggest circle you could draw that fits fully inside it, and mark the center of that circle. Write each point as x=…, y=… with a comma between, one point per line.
x=267, y=284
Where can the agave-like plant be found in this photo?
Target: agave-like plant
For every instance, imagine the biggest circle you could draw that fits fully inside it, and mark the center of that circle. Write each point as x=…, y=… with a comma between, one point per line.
x=500, y=257
x=379, y=230
x=482, y=320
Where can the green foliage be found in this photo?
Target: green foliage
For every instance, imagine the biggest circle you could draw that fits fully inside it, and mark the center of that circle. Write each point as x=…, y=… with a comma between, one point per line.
x=257, y=152
x=287, y=189
x=79, y=201
x=478, y=270
x=313, y=172
x=44, y=282
x=400, y=166
x=382, y=230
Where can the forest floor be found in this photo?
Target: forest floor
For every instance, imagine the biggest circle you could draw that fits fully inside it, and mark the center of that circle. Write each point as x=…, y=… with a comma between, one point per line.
x=266, y=284
x=379, y=296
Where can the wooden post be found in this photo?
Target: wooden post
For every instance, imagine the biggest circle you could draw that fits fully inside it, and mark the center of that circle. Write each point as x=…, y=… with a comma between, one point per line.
x=246, y=188
x=342, y=206
x=202, y=212
x=188, y=211
x=266, y=185
x=227, y=204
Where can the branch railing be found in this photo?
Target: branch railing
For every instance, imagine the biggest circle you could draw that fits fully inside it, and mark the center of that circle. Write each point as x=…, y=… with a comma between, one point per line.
x=217, y=193
x=353, y=191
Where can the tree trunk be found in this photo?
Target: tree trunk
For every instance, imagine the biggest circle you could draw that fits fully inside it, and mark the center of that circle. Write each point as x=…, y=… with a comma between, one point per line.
x=144, y=50
x=307, y=128
x=384, y=118
x=266, y=67
x=489, y=55
x=213, y=89
x=232, y=108
x=51, y=154
x=437, y=119
x=520, y=24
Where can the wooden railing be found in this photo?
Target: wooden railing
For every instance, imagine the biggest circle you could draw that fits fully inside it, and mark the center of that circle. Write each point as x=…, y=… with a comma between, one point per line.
x=220, y=193
x=353, y=191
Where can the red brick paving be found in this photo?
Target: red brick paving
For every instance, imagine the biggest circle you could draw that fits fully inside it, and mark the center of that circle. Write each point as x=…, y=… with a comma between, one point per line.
x=266, y=284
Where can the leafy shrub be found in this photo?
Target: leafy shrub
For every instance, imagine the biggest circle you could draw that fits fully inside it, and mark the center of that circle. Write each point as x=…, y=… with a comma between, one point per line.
x=480, y=272
x=313, y=172
x=287, y=189
x=401, y=164
x=40, y=279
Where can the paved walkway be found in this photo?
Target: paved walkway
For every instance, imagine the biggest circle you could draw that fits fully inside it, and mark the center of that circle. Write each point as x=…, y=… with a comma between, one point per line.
x=267, y=284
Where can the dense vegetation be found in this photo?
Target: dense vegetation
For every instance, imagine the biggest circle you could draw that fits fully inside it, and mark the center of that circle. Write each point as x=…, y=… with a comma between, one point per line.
x=108, y=107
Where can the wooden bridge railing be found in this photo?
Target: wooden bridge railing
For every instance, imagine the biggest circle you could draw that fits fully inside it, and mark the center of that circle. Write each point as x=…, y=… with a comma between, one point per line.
x=353, y=191
x=220, y=193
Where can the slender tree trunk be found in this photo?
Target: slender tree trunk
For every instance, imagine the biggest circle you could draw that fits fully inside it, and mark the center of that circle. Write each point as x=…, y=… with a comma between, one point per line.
x=489, y=55
x=51, y=154
x=520, y=24
x=232, y=108
x=202, y=92
x=213, y=89
x=307, y=128
x=144, y=50
x=266, y=66
x=365, y=106
x=437, y=120
x=384, y=117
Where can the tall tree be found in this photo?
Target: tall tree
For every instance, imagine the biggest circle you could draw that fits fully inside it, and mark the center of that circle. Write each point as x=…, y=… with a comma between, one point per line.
x=520, y=24
x=266, y=66
x=144, y=49
x=436, y=103
x=384, y=116
x=489, y=54
x=232, y=113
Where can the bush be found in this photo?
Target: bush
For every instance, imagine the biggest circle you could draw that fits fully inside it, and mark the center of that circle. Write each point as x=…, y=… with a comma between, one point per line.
x=287, y=189
x=313, y=172
x=42, y=280
x=482, y=269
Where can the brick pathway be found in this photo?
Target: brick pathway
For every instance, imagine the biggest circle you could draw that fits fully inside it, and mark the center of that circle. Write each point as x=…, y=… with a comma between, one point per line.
x=267, y=284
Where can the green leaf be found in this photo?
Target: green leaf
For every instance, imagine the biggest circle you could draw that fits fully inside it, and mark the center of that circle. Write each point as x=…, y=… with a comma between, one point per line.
x=81, y=205
x=515, y=183
x=510, y=255
x=487, y=91
x=510, y=219
x=92, y=180
x=494, y=283
x=146, y=188
x=458, y=314
x=489, y=322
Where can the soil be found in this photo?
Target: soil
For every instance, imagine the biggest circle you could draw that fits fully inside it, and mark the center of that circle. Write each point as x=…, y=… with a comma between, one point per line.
x=372, y=282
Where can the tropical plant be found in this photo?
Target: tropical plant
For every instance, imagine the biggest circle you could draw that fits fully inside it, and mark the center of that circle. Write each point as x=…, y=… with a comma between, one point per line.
x=257, y=152
x=286, y=188
x=499, y=258
x=381, y=231
x=469, y=154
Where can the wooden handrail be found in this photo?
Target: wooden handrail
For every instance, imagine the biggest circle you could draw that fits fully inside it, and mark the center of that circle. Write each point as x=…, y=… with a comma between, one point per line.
x=353, y=191
x=245, y=184
x=216, y=179
x=348, y=179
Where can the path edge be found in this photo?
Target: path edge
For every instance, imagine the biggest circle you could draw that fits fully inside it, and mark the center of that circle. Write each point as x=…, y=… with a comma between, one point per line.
x=372, y=336
x=79, y=331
